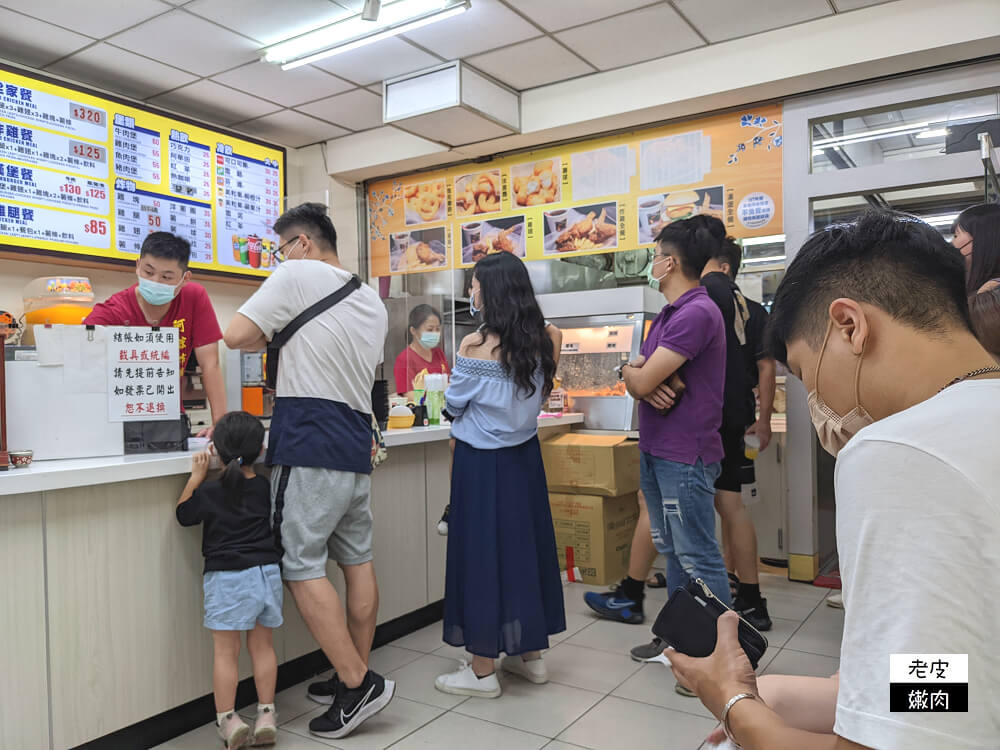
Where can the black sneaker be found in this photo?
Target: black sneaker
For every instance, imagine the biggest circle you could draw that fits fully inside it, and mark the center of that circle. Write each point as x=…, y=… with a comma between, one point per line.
x=351, y=708
x=323, y=692
x=648, y=651
x=755, y=614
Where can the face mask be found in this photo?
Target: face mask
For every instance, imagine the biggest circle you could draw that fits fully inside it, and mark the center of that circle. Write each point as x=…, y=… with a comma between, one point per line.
x=654, y=281
x=430, y=340
x=473, y=310
x=833, y=429
x=156, y=293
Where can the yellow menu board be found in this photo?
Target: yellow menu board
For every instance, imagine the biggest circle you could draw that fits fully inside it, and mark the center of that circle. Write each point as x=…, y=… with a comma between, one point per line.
x=89, y=176
x=605, y=195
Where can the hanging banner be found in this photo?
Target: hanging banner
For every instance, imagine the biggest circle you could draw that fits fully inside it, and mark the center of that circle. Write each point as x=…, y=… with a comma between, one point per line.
x=600, y=196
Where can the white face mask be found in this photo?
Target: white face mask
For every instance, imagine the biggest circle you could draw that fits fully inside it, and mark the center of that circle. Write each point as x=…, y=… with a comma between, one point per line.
x=833, y=429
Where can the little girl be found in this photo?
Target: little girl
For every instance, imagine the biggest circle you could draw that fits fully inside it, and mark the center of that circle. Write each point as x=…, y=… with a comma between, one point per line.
x=242, y=579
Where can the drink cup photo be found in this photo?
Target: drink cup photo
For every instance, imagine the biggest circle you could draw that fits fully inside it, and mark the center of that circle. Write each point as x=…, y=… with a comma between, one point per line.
x=557, y=220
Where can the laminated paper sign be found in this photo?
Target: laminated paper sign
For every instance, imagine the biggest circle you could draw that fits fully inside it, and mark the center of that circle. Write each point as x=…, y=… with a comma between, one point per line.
x=143, y=374
x=604, y=195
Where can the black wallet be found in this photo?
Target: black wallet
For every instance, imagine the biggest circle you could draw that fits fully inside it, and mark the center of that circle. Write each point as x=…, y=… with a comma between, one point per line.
x=687, y=622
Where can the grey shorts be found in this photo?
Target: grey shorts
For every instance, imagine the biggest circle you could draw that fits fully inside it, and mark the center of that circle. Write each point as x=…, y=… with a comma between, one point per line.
x=322, y=513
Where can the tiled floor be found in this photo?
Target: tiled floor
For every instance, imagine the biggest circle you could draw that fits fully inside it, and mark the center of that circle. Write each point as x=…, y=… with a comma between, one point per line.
x=597, y=698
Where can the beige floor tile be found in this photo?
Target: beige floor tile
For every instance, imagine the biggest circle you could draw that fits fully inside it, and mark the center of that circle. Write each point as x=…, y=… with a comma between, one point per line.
x=290, y=703
x=654, y=684
x=456, y=731
x=820, y=634
x=789, y=606
x=615, y=637
x=770, y=583
x=587, y=668
x=781, y=630
x=796, y=662
x=415, y=681
x=426, y=640
x=559, y=745
x=386, y=659
x=616, y=723
x=400, y=718
x=540, y=709
x=575, y=622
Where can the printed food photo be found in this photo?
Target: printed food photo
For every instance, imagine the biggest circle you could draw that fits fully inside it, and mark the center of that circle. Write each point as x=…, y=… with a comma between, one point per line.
x=569, y=230
x=536, y=183
x=656, y=211
x=418, y=250
x=425, y=202
x=501, y=235
x=477, y=193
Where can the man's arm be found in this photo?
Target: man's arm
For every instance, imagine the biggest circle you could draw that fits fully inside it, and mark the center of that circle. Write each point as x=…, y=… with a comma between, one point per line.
x=244, y=334
x=211, y=379
x=556, y=335
x=661, y=364
x=767, y=368
x=757, y=727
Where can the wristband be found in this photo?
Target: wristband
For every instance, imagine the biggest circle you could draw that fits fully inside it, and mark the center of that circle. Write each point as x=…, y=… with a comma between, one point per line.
x=725, y=715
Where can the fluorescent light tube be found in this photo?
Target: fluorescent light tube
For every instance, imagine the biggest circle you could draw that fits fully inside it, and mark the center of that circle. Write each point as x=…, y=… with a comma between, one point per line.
x=351, y=33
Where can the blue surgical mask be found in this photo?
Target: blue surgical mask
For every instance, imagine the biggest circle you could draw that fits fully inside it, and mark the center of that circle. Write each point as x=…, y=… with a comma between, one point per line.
x=654, y=281
x=429, y=339
x=473, y=310
x=156, y=293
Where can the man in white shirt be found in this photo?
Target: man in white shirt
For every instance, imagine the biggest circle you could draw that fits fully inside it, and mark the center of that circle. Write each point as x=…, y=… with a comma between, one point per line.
x=872, y=316
x=320, y=446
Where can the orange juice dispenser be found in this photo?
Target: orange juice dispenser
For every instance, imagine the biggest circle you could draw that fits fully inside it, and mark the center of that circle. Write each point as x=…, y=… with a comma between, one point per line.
x=53, y=300
x=255, y=398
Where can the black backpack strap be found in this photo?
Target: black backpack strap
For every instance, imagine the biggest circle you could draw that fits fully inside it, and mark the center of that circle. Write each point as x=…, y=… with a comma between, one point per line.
x=281, y=337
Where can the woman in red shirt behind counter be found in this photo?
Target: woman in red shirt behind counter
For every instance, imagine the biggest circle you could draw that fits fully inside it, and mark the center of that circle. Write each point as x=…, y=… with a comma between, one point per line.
x=424, y=354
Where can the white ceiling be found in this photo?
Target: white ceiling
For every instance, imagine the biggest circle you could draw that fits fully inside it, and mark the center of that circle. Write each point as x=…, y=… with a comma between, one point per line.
x=201, y=57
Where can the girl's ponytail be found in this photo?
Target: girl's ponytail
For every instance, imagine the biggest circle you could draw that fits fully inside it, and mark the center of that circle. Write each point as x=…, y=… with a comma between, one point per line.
x=238, y=439
x=233, y=480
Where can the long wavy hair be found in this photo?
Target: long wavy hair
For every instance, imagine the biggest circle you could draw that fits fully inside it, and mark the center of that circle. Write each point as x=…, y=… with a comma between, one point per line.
x=982, y=222
x=511, y=311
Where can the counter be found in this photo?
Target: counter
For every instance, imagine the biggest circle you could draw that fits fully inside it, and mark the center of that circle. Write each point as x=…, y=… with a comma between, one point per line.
x=103, y=588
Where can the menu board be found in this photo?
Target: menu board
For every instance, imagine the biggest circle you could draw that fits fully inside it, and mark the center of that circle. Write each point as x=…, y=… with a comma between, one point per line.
x=92, y=177
x=600, y=196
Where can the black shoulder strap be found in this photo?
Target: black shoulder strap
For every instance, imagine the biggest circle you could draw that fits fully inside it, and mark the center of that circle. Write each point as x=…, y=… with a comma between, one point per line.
x=281, y=337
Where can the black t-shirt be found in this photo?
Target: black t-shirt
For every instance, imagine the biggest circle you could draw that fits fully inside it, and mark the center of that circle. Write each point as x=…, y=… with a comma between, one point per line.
x=236, y=536
x=756, y=346
x=727, y=296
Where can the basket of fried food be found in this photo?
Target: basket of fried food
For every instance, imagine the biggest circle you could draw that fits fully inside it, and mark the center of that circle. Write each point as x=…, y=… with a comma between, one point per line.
x=477, y=194
x=424, y=202
x=588, y=234
x=504, y=241
x=539, y=186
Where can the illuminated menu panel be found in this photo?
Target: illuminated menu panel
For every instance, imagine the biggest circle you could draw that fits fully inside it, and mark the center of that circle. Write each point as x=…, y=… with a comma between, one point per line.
x=85, y=175
x=139, y=212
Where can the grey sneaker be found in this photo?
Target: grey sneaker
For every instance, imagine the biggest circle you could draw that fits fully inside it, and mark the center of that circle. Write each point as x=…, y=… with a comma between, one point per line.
x=647, y=652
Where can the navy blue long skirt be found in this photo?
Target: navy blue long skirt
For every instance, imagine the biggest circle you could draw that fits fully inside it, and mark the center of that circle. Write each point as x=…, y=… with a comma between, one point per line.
x=503, y=591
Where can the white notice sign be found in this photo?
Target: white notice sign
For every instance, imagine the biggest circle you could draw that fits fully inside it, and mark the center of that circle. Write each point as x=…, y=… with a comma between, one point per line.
x=143, y=374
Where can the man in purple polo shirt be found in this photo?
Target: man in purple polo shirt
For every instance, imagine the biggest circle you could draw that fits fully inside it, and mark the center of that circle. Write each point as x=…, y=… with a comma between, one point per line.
x=681, y=449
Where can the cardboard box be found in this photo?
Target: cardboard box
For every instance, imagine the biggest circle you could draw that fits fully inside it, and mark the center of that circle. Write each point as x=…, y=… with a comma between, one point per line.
x=596, y=532
x=605, y=465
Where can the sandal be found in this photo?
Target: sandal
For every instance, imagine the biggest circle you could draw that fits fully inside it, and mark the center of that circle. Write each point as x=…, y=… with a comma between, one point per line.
x=657, y=581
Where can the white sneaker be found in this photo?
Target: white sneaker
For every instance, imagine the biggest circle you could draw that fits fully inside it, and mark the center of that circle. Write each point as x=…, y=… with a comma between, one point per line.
x=533, y=670
x=465, y=682
x=233, y=732
x=835, y=600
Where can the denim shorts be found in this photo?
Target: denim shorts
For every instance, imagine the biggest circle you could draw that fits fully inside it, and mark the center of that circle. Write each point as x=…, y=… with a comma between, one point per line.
x=240, y=599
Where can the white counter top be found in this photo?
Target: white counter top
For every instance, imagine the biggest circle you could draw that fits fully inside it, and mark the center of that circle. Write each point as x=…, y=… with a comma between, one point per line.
x=43, y=476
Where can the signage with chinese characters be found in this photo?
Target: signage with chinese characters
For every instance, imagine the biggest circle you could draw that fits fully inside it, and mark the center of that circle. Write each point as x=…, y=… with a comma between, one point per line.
x=600, y=196
x=143, y=374
x=928, y=683
x=90, y=176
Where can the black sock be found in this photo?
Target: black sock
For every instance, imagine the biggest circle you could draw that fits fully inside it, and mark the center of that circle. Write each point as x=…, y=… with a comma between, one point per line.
x=749, y=592
x=634, y=590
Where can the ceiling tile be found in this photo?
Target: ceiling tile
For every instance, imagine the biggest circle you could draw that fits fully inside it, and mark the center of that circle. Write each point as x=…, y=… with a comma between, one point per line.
x=96, y=18
x=486, y=25
x=455, y=127
x=35, y=43
x=378, y=61
x=358, y=110
x=120, y=71
x=189, y=43
x=845, y=5
x=215, y=103
x=286, y=87
x=291, y=129
x=268, y=21
x=651, y=33
x=719, y=20
x=529, y=64
x=354, y=6
x=554, y=15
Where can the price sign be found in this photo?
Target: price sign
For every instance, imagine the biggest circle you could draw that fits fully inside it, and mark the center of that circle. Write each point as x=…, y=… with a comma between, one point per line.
x=143, y=374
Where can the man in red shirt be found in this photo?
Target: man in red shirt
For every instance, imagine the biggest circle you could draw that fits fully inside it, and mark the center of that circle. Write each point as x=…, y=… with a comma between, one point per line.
x=166, y=296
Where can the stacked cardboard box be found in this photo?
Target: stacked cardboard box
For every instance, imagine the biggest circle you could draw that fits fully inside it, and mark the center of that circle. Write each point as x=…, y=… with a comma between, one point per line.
x=593, y=481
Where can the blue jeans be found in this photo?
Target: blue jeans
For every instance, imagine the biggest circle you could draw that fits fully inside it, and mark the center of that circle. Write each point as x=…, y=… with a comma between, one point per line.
x=681, y=503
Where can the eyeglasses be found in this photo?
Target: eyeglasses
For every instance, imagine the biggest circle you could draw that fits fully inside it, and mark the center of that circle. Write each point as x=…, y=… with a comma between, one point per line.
x=280, y=252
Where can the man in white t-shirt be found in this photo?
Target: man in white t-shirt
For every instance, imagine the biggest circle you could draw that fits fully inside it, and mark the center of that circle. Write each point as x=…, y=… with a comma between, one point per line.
x=872, y=316
x=320, y=445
